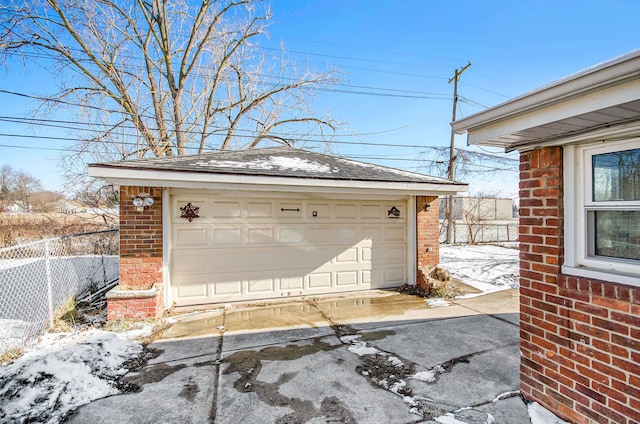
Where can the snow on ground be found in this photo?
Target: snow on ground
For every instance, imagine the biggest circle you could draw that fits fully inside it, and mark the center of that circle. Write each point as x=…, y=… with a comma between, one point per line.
x=64, y=372
x=486, y=267
x=539, y=415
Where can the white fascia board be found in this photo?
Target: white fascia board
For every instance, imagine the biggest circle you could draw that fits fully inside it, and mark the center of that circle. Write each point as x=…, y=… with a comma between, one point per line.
x=595, y=78
x=590, y=102
x=177, y=179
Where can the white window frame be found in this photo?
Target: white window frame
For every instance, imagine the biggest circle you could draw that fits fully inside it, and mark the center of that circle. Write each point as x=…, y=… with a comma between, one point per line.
x=577, y=180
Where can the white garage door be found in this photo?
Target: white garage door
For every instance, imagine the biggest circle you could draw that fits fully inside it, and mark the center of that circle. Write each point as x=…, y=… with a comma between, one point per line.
x=240, y=249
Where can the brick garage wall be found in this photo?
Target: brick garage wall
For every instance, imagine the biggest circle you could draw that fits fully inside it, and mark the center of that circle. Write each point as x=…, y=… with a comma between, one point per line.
x=140, y=239
x=140, y=254
x=579, y=338
x=427, y=234
x=144, y=305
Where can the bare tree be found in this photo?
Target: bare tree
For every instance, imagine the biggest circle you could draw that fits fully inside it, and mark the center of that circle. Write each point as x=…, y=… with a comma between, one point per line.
x=24, y=185
x=160, y=78
x=477, y=211
x=6, y=186
x=45, y=201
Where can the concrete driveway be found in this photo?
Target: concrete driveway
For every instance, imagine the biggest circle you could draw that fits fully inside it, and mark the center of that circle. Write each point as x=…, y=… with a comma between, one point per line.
x=374, y=357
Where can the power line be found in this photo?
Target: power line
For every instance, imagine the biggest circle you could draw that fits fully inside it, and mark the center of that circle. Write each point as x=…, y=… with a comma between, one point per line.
x=277, y=78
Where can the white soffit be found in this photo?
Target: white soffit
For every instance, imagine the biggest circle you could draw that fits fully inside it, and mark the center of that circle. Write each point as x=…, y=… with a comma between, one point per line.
x=605, y=96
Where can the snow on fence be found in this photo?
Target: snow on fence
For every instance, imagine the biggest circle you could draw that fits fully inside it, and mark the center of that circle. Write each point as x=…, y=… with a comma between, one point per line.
x=37, y=278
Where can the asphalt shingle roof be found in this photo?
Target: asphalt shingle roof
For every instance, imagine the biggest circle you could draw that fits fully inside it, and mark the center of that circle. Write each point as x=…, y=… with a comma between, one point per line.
x=277, y=162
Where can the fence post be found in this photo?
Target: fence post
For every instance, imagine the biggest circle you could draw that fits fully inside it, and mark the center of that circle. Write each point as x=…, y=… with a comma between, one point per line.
x=47, y=265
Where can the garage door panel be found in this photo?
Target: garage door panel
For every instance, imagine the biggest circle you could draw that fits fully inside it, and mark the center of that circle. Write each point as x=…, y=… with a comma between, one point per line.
x=349, y=255
x=394, y=276
x=347, y=278
x=348, y=211
x=260, y=210
x=390, y=254
x=251, y=249
x=220, y=209
x=318, y=235
x=371, y=211
x=260, y=235
x=290, y=257
x=373, y=277
x=185, y=236
x=346, y=234
x=261, y=285
x=231, y=236
x=320, y=280
x=192, y=286
x=371, y=233
x=321, y=210
x=292, y=283
x=395, y=234
x=290, y=234
x=366, y=254
x=191, y=262
x=226, y=287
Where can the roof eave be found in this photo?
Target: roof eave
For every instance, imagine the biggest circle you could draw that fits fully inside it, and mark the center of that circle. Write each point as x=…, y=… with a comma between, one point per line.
x=185, y=179
x=607, y=74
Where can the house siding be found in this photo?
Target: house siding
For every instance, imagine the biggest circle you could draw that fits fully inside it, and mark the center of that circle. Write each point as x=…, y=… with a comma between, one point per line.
x=580, y=338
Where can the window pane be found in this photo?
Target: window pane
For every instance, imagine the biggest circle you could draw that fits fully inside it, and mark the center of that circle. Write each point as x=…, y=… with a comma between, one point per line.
x=617, y=234
x=616, y=176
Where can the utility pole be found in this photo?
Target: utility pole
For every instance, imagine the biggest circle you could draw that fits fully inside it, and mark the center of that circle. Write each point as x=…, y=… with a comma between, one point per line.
x=452, y=153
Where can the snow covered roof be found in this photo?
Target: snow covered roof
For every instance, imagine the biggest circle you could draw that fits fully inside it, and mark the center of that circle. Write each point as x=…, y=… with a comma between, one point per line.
x=276, y=162
x=275, y=165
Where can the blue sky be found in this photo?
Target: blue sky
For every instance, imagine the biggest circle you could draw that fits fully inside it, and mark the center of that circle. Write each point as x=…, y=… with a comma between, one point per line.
x=411, y=47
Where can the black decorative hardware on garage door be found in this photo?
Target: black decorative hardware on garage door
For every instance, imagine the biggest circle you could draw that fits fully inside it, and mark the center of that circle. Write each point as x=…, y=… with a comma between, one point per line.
x=393, y=212
x=189, y=212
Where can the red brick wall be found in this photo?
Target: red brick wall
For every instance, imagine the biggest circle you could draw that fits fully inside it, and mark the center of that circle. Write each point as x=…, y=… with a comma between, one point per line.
x=427, y=234
x=579, y=338
x=135, y=307
x=140, y=239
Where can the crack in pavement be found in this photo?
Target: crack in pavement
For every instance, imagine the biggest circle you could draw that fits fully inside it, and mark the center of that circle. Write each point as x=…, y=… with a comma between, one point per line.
x=216, y=369
x=389, y=371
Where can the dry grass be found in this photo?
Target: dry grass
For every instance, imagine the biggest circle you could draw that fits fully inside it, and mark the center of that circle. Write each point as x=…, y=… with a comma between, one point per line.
x=124, y=325
x=66, y=317
x=19, y=228
x=10, y=355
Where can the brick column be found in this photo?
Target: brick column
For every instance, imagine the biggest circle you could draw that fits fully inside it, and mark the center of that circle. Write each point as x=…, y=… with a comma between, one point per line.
x=139, y=291
x=427, y=235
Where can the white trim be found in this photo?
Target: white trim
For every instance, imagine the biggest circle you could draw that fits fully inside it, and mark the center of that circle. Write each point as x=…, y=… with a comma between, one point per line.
x=166, y=243
x=412, y=242
x=577, y=199
x=545, y=114
x=610, y=276
x=570, y=202
x=179, y=179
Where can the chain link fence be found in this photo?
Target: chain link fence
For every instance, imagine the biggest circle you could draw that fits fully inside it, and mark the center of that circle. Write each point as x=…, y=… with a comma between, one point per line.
x=37, y=278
